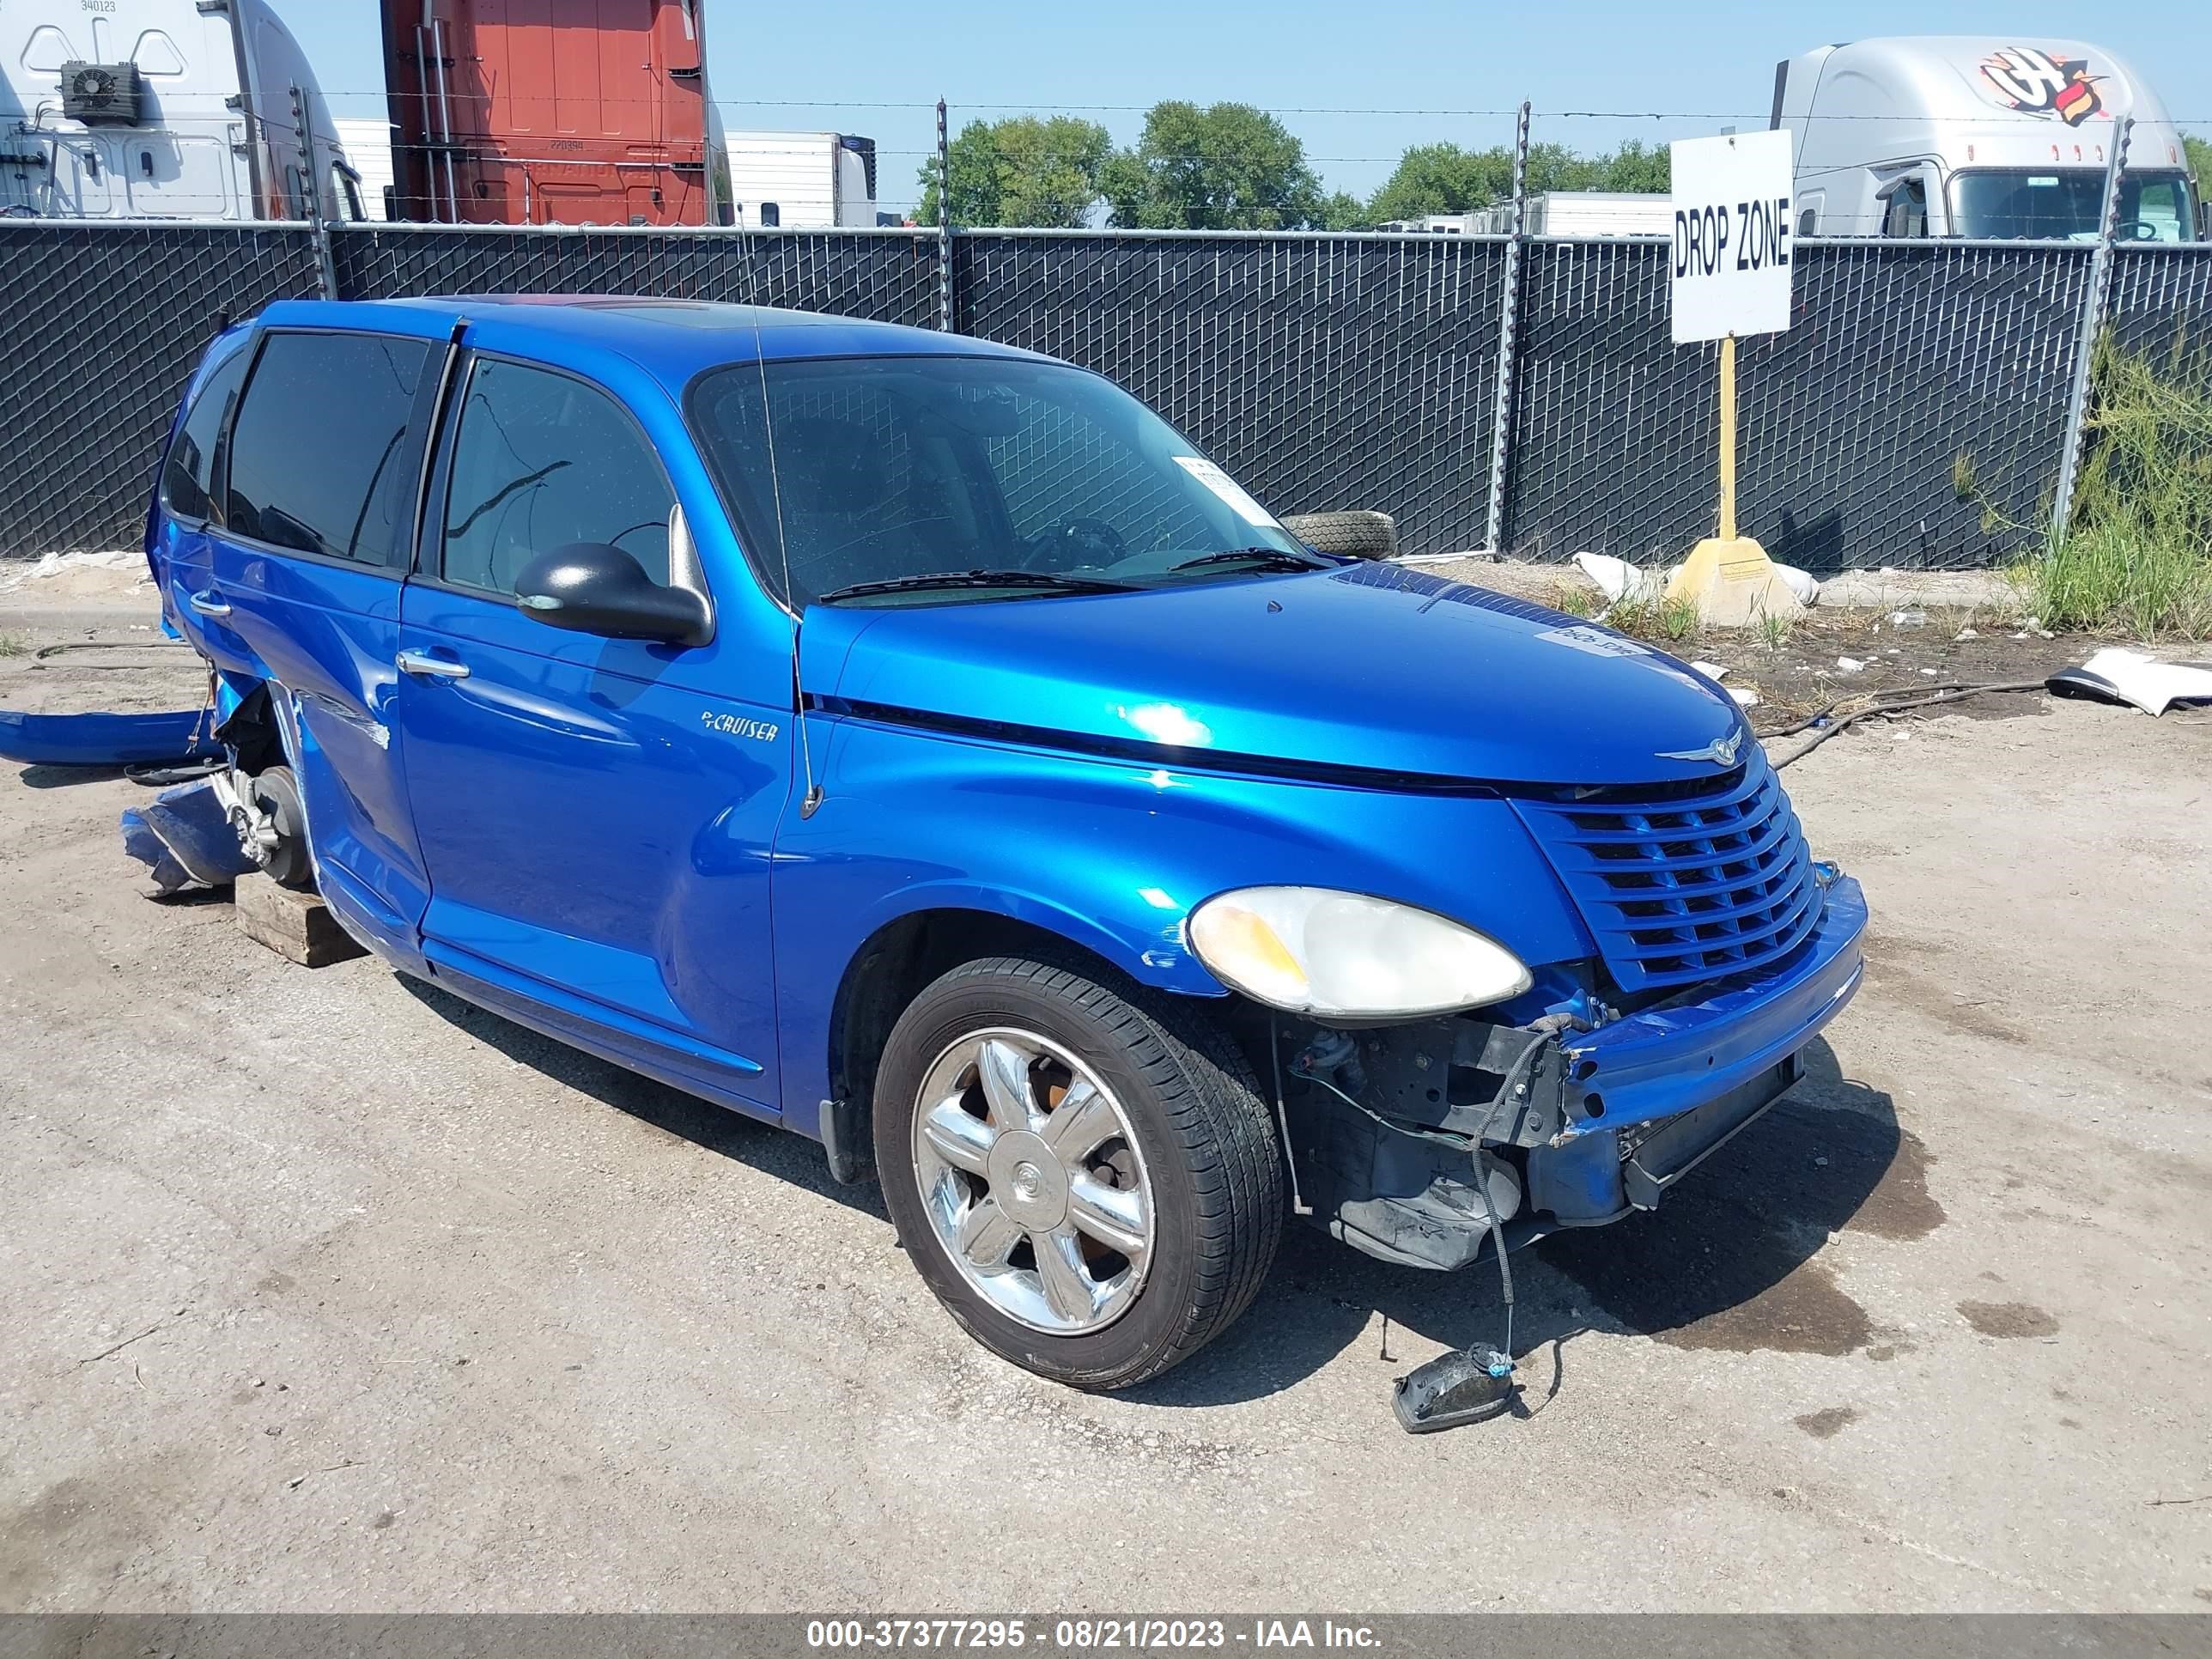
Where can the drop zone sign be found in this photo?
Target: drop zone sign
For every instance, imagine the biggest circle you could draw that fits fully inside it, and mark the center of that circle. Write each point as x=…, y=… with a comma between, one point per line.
x=1732, y=245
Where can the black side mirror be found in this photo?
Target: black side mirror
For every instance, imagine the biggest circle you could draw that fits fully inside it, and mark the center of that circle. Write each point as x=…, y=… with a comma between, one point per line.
x=592, y=587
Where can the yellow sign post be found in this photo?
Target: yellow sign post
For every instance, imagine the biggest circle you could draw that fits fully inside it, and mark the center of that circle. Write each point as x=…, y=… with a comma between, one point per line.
x=1730, y=276
x=1728, y=576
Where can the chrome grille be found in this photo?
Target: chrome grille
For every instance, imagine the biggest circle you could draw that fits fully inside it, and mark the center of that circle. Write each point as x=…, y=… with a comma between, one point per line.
x=1685, y=883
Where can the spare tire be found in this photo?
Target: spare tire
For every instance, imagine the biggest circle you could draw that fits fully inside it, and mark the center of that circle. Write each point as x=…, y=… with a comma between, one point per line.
x=1362, y=535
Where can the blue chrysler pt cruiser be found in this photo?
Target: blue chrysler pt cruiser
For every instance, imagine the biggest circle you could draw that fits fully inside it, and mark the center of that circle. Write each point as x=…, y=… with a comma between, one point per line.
x=919, y=743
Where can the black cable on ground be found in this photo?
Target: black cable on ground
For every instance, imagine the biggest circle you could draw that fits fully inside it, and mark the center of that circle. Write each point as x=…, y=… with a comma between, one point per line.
x=45, y=651
x=1893, y=702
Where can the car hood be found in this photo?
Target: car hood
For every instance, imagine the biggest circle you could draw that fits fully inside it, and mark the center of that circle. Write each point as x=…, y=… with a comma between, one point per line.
x=1372, y=667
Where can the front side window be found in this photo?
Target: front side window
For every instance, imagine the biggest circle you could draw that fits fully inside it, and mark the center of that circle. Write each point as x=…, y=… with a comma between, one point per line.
x=2069, y=205
x=884, y=470
x=326, y=453
x=188, y=477
x=1907, y=213
x=543, y=460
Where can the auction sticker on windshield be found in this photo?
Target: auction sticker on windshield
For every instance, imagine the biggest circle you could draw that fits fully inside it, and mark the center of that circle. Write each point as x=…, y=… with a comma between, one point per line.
x=1227, y=488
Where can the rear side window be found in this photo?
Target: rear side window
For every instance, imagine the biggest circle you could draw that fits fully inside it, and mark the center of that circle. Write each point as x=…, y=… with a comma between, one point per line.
x=542, y=461
x=189, y=476
x=325, y=454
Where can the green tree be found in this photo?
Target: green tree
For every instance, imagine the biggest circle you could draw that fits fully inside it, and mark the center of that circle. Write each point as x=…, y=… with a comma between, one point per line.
x=1021, y=171
x=1647, y=169
x=1443, y=177
x=1341, y=210
x=2197, y=152
x=1227, y=166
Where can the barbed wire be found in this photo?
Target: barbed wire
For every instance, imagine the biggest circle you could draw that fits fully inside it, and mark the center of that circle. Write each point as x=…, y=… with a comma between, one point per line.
x=961, y=107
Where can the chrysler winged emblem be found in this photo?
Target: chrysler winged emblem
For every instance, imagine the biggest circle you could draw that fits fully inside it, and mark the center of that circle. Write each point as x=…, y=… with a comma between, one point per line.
x=1721, y=752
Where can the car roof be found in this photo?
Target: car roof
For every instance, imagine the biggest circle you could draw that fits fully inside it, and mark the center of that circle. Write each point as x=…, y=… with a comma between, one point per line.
x=673, y=339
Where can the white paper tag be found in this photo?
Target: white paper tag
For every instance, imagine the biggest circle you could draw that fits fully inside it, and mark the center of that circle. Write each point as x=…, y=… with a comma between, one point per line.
x=1227, y=488
x=1595, y=640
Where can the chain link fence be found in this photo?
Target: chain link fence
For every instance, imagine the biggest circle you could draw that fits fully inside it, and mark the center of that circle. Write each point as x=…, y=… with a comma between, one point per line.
x=2161, y=302
x=104, y=325
x=884, y=276
x=1913, y=416
x=1321, y=371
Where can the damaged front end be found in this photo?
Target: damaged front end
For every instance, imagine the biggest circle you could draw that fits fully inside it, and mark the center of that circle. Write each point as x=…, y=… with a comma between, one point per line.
x=1413, y=1143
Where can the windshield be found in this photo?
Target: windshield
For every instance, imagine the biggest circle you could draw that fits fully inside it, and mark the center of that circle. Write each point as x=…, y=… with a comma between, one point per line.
x=892, y=469
x=2154, y=207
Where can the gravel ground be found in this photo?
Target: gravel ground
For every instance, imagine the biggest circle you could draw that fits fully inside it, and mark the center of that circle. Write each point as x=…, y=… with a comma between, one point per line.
x=326, y=1292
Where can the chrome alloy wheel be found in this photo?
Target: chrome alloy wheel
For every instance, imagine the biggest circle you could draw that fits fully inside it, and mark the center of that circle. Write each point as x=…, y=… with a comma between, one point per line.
x=1031, y=1179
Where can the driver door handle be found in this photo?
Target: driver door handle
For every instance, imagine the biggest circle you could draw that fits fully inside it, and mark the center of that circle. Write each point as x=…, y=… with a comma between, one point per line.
x=210, y=604
x=429, y=667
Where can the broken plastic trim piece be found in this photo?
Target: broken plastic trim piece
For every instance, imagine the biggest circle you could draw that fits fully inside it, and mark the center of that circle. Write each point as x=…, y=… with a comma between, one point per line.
x=1471, y=1386
x=107, y=739
x=184, y=836
x=2115, y=675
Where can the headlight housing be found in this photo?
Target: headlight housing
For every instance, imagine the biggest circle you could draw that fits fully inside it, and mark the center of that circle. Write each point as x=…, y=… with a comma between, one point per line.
x=1346, y=955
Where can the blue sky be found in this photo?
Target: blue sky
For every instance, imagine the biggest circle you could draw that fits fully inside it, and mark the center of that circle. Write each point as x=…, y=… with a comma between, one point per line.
x=871, y=67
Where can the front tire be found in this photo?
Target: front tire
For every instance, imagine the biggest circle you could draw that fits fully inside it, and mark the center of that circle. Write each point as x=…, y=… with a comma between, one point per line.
x=1084, y=1174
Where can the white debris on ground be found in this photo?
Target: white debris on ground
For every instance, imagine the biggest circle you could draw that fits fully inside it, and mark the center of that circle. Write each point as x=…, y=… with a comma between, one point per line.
x=61, y=575
x=1618, y=579
x=2117, y=675
x=1746, y=696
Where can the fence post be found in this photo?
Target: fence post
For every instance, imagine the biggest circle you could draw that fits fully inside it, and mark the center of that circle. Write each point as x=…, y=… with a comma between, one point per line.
x=327, y=271
x=943, y=223
x=2093, y=306
x=1508, y=324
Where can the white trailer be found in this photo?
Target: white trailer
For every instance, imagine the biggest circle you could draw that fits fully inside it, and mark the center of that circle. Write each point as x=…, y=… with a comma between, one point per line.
x=1590, y=213
x=163, y=109
x=367, y=144
x=801, y=181
x=1978, y=136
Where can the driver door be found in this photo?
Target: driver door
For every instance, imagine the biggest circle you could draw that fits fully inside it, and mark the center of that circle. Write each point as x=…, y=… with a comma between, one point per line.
x=596, y=837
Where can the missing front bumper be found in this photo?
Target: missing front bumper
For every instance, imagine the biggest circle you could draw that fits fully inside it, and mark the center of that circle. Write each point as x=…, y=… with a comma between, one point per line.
x=1573, y=1129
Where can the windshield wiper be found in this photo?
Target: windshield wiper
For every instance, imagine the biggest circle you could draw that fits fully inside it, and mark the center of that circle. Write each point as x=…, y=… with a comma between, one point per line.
x=1051, y=580
x=1260, y=558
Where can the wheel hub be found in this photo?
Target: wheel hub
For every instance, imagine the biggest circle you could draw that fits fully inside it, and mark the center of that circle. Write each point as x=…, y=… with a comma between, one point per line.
x=1030, y=1184
x=1033, y=1183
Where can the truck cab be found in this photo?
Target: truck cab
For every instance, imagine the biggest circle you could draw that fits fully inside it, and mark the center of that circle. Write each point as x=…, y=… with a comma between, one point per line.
x=164, y=109
x=1985, y=137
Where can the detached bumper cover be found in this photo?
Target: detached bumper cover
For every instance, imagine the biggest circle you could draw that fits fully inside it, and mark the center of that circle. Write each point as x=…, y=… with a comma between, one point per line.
x=107, y=739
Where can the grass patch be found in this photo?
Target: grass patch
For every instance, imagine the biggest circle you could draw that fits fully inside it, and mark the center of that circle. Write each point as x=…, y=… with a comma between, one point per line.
x=13, y=645
x=1660, y=621
x=2137, y=557
x=1575, y=599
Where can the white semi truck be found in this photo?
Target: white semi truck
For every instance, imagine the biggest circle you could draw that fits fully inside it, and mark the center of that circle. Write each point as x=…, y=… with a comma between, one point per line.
x=163, y=109
x=801, y=181
x=1978, y=137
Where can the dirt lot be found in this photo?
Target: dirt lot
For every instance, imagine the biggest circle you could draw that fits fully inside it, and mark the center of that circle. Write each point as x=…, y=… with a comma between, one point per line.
x=325, y=1291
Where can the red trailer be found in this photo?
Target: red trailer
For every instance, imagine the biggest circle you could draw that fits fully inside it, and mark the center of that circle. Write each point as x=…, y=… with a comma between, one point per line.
x=550, y=112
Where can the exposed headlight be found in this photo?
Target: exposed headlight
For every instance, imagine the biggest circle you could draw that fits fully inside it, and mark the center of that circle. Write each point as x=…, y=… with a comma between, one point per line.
x=1311, y=951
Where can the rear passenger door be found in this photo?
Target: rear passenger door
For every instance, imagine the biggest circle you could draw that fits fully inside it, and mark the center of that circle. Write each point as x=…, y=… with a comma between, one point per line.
x=595, y=813
x=319, y=483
